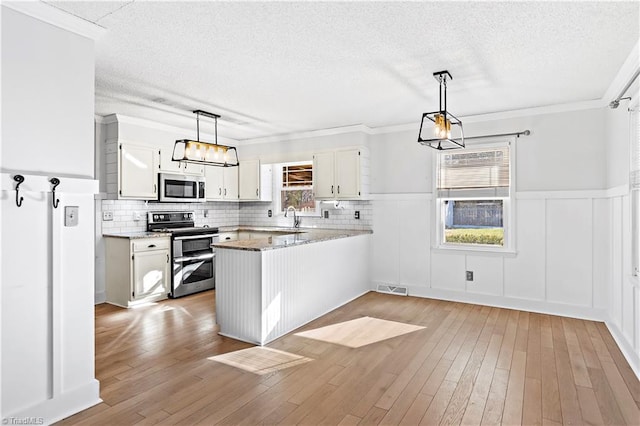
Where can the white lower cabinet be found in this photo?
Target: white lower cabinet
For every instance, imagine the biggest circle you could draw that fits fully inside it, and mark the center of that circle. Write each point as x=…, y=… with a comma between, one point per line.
x=137, y=270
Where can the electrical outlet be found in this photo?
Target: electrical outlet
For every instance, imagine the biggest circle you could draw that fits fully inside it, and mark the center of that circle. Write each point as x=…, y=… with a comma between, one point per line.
x=469, y=275
x=107, y=216
x=206, y=213
x=357, y=215
x=137, y=216
x=326, y=214
x=269, y=213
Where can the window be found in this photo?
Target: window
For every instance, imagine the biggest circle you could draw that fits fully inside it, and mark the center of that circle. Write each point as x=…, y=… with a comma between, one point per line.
x=295, y=187
x=473, y=190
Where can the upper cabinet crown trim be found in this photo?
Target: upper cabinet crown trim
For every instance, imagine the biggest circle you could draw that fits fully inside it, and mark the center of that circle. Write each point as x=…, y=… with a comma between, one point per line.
x=56, y=17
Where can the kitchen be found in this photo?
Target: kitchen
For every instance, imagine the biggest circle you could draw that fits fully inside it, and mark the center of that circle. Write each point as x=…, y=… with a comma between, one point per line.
x=565, y=262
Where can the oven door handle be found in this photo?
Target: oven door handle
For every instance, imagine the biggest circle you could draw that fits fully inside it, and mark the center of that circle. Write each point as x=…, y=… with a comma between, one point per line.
x=207, y=256
x=193, y=237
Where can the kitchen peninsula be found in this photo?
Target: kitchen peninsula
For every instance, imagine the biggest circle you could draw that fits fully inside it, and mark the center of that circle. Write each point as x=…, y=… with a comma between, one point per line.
x=277, y=281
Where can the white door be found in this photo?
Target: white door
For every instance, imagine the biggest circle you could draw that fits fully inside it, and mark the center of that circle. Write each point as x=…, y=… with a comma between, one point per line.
x=348, y=174
x=249, y=179
x=230, y=190
x=138, y=177
x=323, y=174
x=150, y=273
x=214, y=182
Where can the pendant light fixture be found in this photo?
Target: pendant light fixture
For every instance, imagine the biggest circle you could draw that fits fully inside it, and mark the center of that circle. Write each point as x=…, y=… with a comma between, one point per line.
x=210, y=154
x=442, y=129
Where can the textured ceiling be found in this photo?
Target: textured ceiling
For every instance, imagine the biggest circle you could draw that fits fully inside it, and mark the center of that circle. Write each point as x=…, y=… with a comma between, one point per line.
x=278, y=67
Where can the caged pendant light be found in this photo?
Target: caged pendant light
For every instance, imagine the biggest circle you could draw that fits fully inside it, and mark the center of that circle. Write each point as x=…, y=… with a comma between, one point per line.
x=442, y=130
x=210, y=154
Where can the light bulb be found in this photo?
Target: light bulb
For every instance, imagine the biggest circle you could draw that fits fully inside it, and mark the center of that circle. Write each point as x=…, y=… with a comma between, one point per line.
x=191, y=147
x=226, y=157
x=198, y=153
x=215, y=153
x=448, y=129
x=207, y=156
x=436, y=125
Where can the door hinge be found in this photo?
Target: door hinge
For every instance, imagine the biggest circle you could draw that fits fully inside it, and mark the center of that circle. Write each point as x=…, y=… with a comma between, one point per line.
x=120, y=146
x=120, y=192
x=132, y=256
x=358, y=192
x=358, y=152
x=133, y=294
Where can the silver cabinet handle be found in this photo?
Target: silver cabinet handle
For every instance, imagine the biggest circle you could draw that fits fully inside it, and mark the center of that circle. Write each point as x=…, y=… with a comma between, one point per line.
x=155, y=188
x=332, y=189
x=338, y=189
x=256, y=192
x=225, y=191
x=167, y=257
x=219, y=191
x=151, y=245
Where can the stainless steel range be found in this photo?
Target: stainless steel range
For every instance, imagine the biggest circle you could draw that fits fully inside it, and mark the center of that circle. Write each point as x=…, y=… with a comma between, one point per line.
x=194, y=265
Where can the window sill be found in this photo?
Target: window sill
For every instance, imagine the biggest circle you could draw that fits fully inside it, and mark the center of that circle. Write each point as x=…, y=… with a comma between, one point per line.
x=474, y=251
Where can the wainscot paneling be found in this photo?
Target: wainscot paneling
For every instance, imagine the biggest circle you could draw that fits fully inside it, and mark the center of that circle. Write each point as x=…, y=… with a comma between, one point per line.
x=569, y=253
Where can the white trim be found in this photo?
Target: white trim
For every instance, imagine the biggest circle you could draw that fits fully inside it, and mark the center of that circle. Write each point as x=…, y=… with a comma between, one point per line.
x=40, y=183
x=58, y=18
x=63, y=405
x=527, y=112
x=625, y=347
x=309, y=134
x=528, y=305
x=630, y=66
x=401, y=196
x=469, y=250
x=119, y=118
x=617, y=191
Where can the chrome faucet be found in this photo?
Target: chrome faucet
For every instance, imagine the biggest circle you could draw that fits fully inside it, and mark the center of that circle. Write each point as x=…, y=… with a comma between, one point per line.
x=296, y=219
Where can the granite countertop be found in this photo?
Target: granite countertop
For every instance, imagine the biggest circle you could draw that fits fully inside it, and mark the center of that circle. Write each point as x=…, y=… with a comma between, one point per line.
x=135, y=235
x=296, y=237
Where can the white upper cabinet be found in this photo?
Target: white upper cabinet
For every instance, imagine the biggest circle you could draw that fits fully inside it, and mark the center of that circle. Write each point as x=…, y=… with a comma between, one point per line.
x=167, y=165
x=341, y=174
x=323, y=175
x=348, y=174
x=137, y=177
x=214, y=182
x=249, y=180
x=230, y=178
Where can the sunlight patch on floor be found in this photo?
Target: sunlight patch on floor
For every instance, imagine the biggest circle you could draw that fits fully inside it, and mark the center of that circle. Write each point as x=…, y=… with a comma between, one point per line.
x=360, y=332
x=260, y=360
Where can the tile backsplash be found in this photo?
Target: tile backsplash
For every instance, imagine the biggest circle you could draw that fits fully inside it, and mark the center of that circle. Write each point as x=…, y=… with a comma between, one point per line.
x=125, y=211
x=233, y=213
x=340, y=217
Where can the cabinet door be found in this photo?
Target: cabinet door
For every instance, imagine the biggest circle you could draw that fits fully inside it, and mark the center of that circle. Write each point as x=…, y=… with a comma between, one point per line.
x=193, y=169
x=214, y=182
x=249, y=179
x=150, y=273
x=323, y=174
x=348, y=174
x=166, y=162
x=138, y=177
x=230, y=190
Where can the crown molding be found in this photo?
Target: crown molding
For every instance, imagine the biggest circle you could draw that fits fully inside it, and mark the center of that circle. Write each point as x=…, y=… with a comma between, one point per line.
x=58, y=18
x=119, y=118
x=630, y=66
x=361, y=128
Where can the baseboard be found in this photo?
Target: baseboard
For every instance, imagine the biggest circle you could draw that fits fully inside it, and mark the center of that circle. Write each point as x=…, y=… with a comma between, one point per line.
x=528, y=305
x=626, y=348
x=60, y=407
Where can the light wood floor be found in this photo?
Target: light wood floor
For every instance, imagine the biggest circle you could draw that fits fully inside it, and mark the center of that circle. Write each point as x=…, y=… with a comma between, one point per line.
x=470, y=365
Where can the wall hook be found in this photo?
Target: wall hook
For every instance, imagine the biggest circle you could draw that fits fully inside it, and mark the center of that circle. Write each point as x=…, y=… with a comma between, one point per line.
x=55, y=182
x=19, y=179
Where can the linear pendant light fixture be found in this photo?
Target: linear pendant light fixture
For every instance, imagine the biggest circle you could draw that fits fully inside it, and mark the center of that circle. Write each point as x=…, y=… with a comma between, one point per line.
x=443, y=130
x=210, y=154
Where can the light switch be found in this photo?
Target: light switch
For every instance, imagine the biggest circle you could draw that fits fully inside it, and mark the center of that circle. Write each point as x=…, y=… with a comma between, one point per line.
x=71, y=214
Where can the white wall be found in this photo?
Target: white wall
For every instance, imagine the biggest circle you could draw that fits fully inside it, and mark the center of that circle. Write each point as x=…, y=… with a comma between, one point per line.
x=47, y=333
x=572, y=223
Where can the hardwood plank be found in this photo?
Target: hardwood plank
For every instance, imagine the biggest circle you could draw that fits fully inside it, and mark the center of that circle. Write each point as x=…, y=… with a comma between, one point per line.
x=605, y=397
x=374, y=416
x=439, y=404
x=349, y=420
x=622, y=394
x=506, y=350
x=494, y=406
x=515, y=390
x=589, y=406
x=566, y=384
x=551, y=408
x=532, y=404
x=576, y=359
x=416, y=411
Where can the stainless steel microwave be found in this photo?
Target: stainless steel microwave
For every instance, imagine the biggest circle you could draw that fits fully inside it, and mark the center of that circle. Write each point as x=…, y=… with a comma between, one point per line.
x=181, y=188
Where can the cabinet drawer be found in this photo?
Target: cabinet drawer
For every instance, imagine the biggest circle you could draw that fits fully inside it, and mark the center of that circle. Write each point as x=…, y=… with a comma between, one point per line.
x=228, y=236
x=150, y=244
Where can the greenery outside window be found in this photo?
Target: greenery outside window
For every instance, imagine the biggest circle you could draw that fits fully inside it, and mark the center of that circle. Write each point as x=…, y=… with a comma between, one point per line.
x=473, y=197
x=295, y=188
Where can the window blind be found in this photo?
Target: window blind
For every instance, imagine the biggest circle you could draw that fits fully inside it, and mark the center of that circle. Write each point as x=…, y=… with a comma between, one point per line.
x=474, y=173
x=297, y=177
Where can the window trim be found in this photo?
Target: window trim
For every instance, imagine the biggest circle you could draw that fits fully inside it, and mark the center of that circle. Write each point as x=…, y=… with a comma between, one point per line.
x=278, y=189
x=509, y=206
